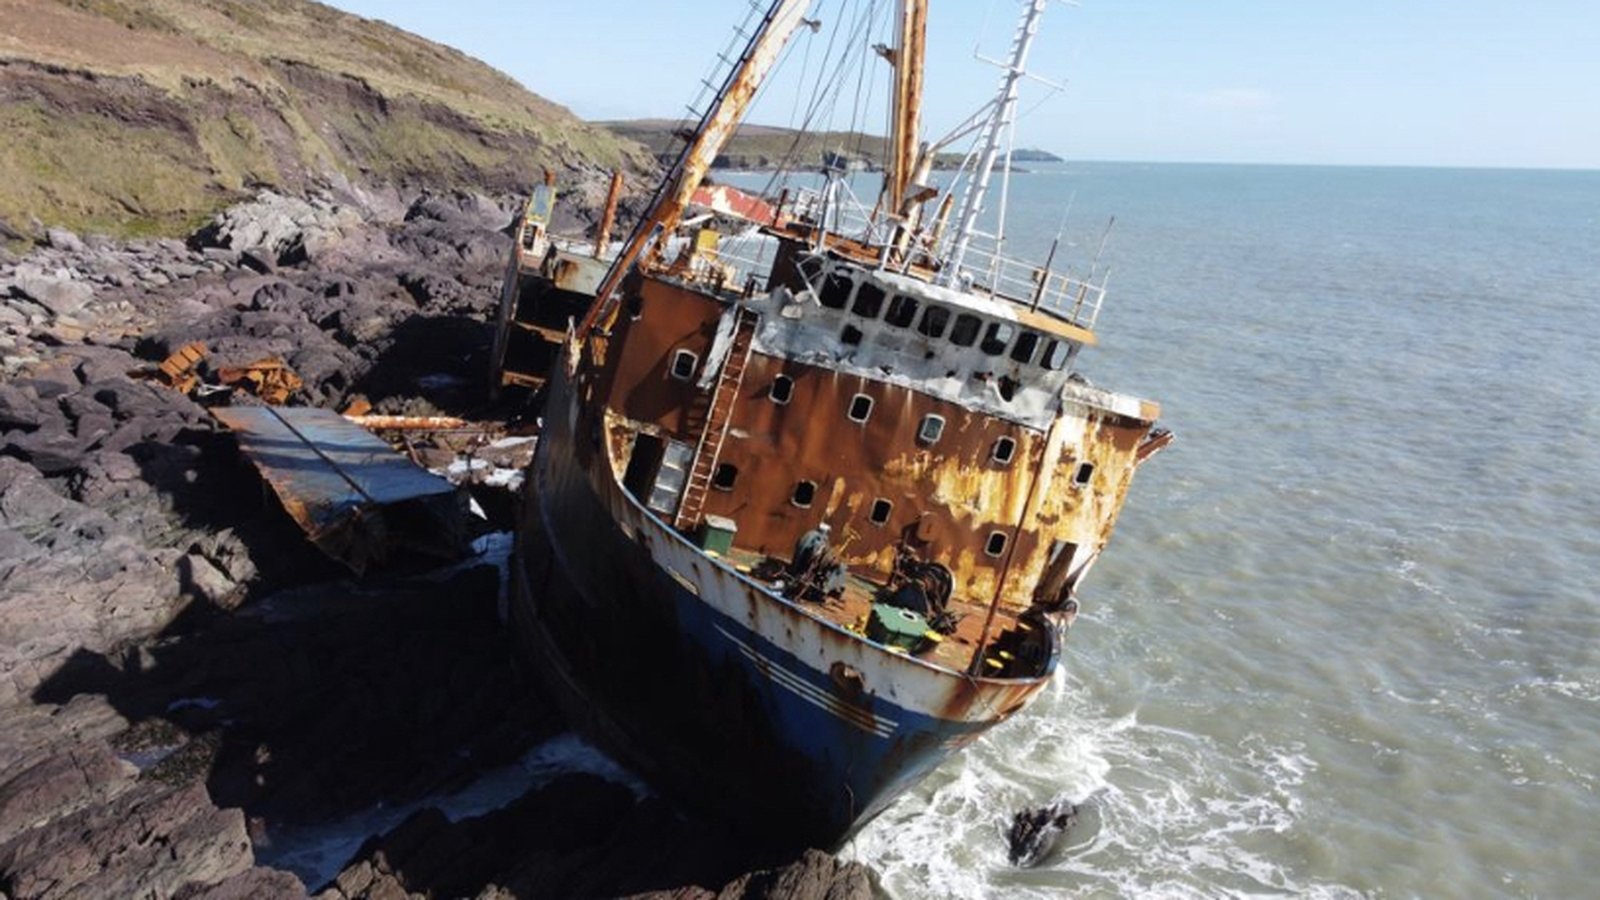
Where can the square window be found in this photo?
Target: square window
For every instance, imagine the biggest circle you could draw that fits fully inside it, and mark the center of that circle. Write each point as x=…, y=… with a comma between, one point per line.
x=684, y=363
x=996, y=545
x=1027, y=344
x=1084, y=475
x=869, y=301
x=805, y=493
x=880, y=511
x=965, y=331
x=860, y=408
x=935, y=319
x=836, y=291
x=996, y=338
x=902, y=311
x=782, y=390
x=1005, y=450
x=931, y=429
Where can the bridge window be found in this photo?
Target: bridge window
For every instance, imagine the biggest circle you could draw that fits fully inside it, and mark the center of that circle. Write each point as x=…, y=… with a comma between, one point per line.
x=965, y=330
x=860, y=408
x=782, y=390
x=1084, y=475
x=1056, y=354
x=1026, y=346
x=725, y=476
x=836, y=291
x=996, y=338
x=996, y=544
x=880, y=511
x=902, y=311
x=684, y=362
x=1005, y=450
x=931, y=430
x=808, y=268
x=850, y=335
x=805, y=492
x=869, y=301
x=935, y=319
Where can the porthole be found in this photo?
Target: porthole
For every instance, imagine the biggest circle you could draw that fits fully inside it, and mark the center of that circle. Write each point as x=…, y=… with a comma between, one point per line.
x=782, y=390
x=869, y=301
x=725, y=476
x=880, y=511
x=996, y=544
x=1005, y=450
x=931, y=429
x=860, y=408
x=965, y=331
x=902, y=311
x=1084, y=475
x=805, y=493
x=935, y=319
x=684, y=363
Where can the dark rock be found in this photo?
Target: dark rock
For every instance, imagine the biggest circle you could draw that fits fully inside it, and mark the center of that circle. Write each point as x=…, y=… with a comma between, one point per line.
x=59, y=785
x=19, y=408
x=50, y=452
x=252, y=884
x=1034, y=832
x=258, y=260
x=151, y=841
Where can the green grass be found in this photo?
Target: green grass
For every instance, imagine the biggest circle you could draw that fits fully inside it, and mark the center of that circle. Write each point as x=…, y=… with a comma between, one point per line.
x=449, y=120
x=94, y=174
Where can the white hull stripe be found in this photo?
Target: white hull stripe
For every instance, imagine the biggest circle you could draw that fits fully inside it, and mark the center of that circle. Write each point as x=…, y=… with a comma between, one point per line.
x=863, y=719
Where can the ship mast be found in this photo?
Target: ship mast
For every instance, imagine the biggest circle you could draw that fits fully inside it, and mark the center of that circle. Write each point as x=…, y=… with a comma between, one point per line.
x=907, y=59
x=716, y=127
x=1002, y=114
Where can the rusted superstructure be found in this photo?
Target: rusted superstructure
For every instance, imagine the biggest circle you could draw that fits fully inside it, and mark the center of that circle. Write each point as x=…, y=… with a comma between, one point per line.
x=805, y=520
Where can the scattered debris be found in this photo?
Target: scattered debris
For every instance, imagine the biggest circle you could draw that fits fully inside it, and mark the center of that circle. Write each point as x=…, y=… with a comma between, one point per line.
x=271, y=379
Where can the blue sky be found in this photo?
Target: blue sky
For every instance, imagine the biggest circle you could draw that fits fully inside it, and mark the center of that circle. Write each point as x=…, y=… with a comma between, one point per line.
x=1361, y=82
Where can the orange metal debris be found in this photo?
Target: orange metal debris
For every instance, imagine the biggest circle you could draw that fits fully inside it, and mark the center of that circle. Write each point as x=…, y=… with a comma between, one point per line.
x=180, y=370
x=271, y=379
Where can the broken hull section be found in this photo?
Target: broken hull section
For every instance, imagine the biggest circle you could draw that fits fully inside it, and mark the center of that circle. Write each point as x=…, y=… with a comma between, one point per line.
x=724, y=694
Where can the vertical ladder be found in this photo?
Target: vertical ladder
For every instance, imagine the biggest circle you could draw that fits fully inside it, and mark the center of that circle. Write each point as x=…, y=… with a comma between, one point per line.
x=718, y=418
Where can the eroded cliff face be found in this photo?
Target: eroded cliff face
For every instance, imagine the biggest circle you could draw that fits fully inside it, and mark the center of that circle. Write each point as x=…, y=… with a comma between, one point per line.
x=146, y=118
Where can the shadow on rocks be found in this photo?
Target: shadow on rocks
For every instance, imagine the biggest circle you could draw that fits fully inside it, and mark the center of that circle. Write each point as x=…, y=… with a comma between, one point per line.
x=442, y=359
x=323, y=701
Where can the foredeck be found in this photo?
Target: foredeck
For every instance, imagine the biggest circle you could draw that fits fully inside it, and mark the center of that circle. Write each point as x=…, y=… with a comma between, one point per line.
x=850, y=610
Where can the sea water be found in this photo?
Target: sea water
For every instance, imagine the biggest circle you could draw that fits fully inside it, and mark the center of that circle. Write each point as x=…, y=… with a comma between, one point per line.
x=1344, y=640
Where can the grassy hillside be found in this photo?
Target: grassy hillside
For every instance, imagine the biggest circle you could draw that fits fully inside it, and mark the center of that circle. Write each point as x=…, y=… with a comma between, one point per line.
x=145, y=116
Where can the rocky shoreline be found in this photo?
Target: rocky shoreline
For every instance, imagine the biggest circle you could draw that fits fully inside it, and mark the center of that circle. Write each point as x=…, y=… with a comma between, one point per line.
x=184, y=684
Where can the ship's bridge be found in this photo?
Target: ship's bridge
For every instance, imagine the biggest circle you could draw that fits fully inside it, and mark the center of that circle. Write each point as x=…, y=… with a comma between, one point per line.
x=983, y=352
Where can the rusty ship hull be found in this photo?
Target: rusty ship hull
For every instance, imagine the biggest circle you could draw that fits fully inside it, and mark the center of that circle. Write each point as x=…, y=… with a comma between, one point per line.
x=714, y=686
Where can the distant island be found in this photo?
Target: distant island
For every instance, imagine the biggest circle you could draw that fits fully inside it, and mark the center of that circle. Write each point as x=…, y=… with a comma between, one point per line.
x=770, y=147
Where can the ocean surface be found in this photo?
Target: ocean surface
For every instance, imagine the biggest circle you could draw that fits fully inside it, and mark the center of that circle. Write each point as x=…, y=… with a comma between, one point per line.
x=1346, y=639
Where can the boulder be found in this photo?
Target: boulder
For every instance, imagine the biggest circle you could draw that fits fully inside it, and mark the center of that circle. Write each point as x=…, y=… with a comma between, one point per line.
x=62, y=239
x=57, y=292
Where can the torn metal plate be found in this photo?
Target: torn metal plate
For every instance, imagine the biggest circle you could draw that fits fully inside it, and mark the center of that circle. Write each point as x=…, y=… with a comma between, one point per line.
x=357, y=499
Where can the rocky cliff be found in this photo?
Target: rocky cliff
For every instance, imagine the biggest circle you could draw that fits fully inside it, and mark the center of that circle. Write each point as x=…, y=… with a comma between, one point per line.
x=145, y=117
